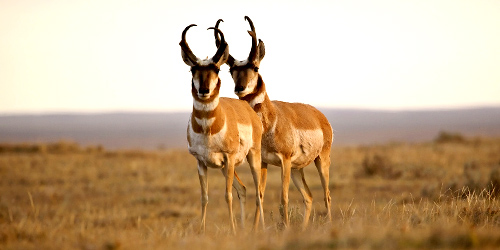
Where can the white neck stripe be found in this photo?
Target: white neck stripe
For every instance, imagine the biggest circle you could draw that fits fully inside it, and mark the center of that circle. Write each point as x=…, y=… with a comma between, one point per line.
x=258, y=99
x=206, y=106
x=204, y=122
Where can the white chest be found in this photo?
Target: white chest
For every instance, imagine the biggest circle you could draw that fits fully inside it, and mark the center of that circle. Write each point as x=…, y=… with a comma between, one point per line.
x=213, y=150
x=207, y=148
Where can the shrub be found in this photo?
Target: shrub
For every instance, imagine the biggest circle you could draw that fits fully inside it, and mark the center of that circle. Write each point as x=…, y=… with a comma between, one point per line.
x=472, y=176
x=448, y=137
x=494, y=181
x=379, y=165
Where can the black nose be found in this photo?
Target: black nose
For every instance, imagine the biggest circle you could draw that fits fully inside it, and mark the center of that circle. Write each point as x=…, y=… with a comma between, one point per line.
x=239, y=88
x=203, y=91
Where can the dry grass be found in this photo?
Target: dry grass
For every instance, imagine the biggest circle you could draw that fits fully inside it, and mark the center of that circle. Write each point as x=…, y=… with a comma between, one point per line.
x=441, y=194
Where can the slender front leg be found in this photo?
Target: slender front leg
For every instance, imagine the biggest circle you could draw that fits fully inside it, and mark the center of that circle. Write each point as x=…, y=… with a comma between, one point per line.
x=202, y=174
x=228, y=172
x=286, y=168
x=254, y=160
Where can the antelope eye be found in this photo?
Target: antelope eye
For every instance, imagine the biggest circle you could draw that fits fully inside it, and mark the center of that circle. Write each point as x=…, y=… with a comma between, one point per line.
x=256, y=69
x=217, y=71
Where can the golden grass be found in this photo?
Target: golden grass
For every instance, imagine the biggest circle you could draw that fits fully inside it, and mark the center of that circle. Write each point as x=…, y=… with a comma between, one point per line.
x=441, y=194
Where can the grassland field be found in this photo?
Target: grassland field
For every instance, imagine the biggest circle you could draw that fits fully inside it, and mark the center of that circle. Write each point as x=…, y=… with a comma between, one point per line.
x=442, y=194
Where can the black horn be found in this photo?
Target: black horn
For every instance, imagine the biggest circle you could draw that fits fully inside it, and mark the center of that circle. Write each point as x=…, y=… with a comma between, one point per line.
x=230, y=59
x=222, y=45
x=250, y=22
x=217, y=39
x=253, y=52
x=185, y=47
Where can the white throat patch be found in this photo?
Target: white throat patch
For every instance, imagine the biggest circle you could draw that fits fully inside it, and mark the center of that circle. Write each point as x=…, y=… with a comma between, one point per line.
x=206, y=106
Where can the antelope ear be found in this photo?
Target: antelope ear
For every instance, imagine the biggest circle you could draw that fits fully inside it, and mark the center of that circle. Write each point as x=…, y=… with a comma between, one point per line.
x=262, y=50
x=224, y=58
x=230, y=60
x=187, y=55
x=186, y=59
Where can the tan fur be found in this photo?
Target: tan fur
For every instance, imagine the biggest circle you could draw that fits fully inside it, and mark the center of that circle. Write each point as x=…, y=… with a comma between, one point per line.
x=221, y=132
x=295, y=135
x=225, y=145
x=228, y=115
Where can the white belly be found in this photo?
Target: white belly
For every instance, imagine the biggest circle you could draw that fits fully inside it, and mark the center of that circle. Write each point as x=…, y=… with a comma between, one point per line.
x=306, y=146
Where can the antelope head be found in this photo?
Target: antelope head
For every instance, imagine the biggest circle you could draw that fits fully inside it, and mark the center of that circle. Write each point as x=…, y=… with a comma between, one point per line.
x=205, y=82
x=245, y=73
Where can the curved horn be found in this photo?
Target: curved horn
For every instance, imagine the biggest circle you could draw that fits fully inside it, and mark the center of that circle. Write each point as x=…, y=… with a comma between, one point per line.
x=222, y=47
x=217, y=39
x=250, y=22
x=253, y=52
x=185, y=47
x=230, y=59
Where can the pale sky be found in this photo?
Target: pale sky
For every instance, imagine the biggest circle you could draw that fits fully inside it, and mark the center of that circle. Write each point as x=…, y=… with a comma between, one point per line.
x=116, y=55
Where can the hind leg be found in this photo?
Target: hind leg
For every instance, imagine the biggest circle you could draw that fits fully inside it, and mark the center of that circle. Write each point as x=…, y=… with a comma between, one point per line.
x=254, y=160
x=322, y=163
x=300, y=182
x=241, y=190
x=263, y=179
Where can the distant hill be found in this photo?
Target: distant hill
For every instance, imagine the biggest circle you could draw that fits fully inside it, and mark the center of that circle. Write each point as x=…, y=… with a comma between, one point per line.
x=371, y=126
x=168, y=130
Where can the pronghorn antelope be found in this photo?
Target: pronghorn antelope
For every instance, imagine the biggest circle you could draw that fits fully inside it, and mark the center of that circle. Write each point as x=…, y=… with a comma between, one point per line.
x=221, y=132
x=295, y=134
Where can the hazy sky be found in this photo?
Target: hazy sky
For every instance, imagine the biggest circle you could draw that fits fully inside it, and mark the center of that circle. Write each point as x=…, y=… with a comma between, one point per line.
x=116, y=55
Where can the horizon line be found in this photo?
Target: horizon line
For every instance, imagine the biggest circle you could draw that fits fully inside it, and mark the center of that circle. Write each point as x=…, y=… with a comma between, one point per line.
x=321, y=108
